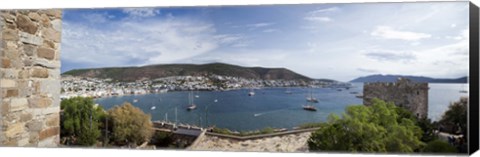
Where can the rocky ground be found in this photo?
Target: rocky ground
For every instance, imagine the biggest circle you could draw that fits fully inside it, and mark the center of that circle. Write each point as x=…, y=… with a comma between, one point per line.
x=286, y=143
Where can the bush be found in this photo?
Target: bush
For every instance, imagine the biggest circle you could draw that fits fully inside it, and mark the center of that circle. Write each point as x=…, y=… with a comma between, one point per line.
x=438, y=146
x=130, y=125
x=79, y=121
x=381, y=127
x=162, y=139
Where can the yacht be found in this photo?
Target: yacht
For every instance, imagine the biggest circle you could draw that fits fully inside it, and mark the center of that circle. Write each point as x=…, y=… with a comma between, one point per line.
x=310, y=98
x=309, y=108
x=190, y=101
x=251, y=93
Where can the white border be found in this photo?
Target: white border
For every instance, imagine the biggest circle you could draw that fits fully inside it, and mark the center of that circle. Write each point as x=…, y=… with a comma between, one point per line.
x=36, y=4
x=48, y=4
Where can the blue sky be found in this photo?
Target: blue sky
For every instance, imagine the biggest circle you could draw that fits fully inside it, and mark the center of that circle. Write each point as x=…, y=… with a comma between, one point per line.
x=337, y=41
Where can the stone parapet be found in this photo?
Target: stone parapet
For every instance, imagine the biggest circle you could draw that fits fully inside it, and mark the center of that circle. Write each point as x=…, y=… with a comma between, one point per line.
x=30, y=77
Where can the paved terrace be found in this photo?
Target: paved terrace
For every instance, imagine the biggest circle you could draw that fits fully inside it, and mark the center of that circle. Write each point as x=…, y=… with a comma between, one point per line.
x=288, y=141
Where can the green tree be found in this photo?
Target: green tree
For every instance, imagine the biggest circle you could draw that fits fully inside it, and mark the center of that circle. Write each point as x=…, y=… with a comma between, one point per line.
x=456, y=117
x=79, y=121
x=381, y=127
x=130, y=125
x=438, y=146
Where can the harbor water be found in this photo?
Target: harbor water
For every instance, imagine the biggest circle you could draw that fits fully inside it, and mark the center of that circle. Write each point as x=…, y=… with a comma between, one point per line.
x=269, y=107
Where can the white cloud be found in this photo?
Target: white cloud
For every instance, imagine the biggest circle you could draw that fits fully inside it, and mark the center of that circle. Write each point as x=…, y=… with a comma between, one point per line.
x=387, y=32
x=318, y=18
x=97, y=17
x=325, y=10
x=133, y=43
x=141, y=12
x=258, y=25
x=270, y=30
x=320, y=15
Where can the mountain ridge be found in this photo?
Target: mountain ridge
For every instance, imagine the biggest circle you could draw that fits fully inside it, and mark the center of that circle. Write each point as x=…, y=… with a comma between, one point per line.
x=393, y=78
x=165, y=70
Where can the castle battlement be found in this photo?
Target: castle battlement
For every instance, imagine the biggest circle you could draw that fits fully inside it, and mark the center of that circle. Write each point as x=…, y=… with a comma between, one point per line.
x=411, y=95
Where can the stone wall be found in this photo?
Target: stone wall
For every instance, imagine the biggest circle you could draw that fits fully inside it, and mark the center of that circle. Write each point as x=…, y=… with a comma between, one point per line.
x=404, y=93
x=30, y=77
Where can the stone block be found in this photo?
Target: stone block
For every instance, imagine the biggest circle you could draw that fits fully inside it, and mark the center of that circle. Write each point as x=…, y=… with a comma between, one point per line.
x=14, y=129
x=53, y=120
x=43, y=111
x=25, y=24
x=46, y=53
x=23, y=142
x=25, y=117
x=48, y=44
x=18, y=104
x=29, y=50
x=10, y=34
x=33, y=137
x=40, y=102
x=39, y=72
x=34, y=16
x=53, y=131
x=30, y=39
x=48, y=64
x=7, y=83
x=5, y=63
x=10, y=73
x=44, y=20
x=55, y=13
x=35, y=126
x=12, y=93
x=51, y=34
x=23, y=74
x=49, y=142
x=57, y=25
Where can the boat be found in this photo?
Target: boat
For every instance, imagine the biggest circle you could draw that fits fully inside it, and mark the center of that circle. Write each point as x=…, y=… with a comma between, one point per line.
x=135, y=100
x=310, y=98
x=288, y=92
x=359, y=96
x=309, y=108
x=153, y=108
x=190, y=101
x=353, y=92
x=251, y=93
x=215, y=100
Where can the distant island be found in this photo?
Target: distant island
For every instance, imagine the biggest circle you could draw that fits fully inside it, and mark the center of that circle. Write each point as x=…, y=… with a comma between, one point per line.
x=393, y=78
x=168, y=70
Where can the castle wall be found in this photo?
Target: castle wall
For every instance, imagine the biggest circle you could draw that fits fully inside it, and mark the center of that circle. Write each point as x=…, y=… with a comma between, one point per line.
x=30, y=77
x=404, y=93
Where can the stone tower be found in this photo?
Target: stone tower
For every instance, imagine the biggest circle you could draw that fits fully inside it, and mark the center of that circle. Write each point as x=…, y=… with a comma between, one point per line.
x=405, y=93
x=30, y=77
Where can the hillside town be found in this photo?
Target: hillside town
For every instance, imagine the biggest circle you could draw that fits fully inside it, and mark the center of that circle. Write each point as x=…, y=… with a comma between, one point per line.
x=95, y=87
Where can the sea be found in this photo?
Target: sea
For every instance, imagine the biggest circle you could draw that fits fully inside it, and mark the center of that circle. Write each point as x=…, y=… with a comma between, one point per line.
x=269, y=107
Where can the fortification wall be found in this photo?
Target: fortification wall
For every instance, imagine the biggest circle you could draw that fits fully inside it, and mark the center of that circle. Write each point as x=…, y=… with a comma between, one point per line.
x=30, y=77
x=404, y=93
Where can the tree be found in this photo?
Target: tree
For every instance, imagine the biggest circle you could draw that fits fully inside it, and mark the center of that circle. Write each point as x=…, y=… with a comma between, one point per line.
x=79, y=121
x=438, y=146
x=381, y=127
x=131, y=125
x=455, y=118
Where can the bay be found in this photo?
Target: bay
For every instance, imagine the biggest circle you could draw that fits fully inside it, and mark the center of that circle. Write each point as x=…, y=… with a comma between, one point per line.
x=269, y=107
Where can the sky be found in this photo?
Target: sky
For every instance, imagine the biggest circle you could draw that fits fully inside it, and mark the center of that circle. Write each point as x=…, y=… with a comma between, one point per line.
x=335, y=41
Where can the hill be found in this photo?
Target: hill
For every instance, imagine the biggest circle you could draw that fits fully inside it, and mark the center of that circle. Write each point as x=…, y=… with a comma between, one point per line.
x=166, y=70
x=393, y=78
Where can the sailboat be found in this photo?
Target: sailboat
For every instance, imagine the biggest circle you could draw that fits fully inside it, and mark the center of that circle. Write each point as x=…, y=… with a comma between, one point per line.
x=288, y=92
x=190, y=101
x=310, y=98
x=251, y=93
x=309, y=107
